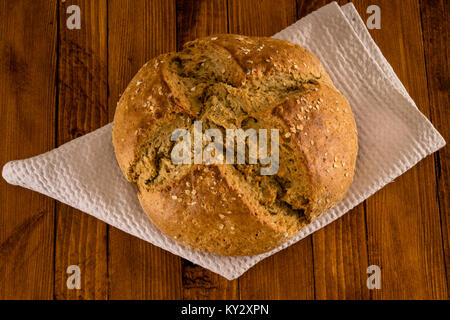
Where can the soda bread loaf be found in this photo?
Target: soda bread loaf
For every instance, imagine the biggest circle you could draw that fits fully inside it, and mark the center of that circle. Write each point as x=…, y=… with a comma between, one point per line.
x=229, y=82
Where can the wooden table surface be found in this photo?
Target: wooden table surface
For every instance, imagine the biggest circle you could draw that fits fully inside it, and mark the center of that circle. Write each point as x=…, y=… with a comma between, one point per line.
x=57, y=84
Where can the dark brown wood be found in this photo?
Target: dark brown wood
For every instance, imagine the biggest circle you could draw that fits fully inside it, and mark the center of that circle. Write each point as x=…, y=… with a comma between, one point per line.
x=285, y=275
x=403, y=224
x=82, y=107
x=138, y=31
x=197, y=19
x=200, y=283
x=28, y=37
x=260, y=17
x=56, y=86
x=139, y=270
x=340, y=258
x=436, y=23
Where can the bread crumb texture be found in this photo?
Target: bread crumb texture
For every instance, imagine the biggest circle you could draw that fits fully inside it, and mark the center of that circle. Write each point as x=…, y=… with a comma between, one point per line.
x=229, y=82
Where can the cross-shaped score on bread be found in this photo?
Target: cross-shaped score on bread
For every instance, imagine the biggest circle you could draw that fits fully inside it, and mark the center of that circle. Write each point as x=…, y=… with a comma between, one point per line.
x=208, y=147
x=243, y=84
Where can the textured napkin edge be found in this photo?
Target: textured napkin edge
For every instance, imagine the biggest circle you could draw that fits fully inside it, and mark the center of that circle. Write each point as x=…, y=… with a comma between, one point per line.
x=358, y=25
x=362, y=33
x=14, y=179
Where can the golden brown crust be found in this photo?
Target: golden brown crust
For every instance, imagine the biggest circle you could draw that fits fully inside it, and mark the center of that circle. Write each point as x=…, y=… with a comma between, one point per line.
x=204, y=212
x=323, y=128
x=145, y=101
x=216, y=208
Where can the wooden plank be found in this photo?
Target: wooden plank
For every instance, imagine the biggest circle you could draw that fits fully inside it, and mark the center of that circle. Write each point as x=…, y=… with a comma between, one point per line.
x=288, y=274
x=138, y=31
x=139, y=270
x=83, y=102
x=403, y=226
x=200, y=283
x=198, y=19
x=260, y=17
x=27, y=110
x=435, y=23
x=340, y=258
x=340, y=249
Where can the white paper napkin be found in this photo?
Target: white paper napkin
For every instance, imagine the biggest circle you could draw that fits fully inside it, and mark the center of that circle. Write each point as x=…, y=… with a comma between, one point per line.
x=393, y=137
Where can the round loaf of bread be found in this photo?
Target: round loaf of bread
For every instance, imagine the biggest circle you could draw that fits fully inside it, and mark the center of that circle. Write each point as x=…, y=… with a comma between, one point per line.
x=232, y=82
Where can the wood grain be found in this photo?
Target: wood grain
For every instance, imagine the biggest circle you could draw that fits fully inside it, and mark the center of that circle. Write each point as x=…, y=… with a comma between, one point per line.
x=436, y=23
x=197, y=19
x=340, y=258
x=28, y=32
x=57, y=84
x=138, y=31
x=82, y=107
x=260, y=17
x=288, y=274
x=403, y=218
x=139, y=270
